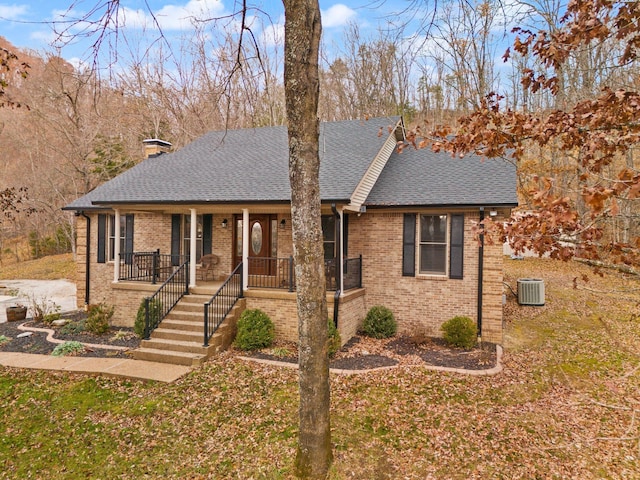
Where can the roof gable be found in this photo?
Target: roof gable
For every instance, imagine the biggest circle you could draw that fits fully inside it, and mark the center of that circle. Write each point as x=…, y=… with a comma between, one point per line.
x=370, y=177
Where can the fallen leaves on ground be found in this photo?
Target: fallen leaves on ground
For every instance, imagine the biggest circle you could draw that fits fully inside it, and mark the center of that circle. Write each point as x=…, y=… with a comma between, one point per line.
x=565, y=406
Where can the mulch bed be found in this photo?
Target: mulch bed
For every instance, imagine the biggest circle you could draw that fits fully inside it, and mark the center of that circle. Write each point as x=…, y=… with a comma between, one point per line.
x=363, y=353
x=360, y=353
x=38, y=343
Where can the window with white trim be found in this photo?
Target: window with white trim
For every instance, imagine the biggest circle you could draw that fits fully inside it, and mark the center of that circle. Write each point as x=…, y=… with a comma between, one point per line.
x=111, y=229
x=186, y=236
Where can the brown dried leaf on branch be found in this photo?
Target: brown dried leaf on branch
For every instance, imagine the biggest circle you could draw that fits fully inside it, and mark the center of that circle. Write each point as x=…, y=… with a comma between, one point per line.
x=596, y=138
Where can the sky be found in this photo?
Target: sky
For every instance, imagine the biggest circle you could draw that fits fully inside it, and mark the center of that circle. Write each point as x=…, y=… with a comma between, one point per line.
x=33, y=24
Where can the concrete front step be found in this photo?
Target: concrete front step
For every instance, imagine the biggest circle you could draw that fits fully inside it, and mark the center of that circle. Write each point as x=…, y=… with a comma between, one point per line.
x=182, y=335
x=167, y=356
x=184, y=325
x=179, y=338
x=197, y=336
x=175, y=345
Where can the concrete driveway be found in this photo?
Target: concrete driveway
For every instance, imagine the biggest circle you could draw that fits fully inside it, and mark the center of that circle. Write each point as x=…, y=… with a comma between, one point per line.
x=59, y=292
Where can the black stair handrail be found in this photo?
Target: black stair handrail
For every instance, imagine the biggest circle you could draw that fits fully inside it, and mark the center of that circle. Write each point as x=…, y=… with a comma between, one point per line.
x=216, y=309
x=158, y=305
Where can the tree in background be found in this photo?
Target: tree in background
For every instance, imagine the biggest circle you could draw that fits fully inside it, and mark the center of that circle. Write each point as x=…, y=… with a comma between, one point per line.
x=11, y=69
x=599, y=136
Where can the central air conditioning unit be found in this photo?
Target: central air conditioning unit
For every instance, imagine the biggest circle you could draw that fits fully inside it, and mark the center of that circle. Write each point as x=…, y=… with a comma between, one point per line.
x=531, y=291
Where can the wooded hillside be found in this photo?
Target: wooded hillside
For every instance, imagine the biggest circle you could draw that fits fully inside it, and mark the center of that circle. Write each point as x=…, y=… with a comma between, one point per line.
x=77, y=127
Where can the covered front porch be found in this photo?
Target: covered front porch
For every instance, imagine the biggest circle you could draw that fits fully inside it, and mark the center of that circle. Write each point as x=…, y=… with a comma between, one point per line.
x=212, y=245
x=163, y=259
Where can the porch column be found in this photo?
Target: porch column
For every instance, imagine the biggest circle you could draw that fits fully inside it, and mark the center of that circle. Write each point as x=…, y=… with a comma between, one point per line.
x=245, y=248
x=116, y=246
x=192, y=248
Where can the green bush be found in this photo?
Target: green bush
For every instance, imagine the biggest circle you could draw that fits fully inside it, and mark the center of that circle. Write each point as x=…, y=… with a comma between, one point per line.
x=68, y=348
x=255, y=330
x=460, y=332
x=98, y=319
x=379, y=323
x=73, y=328
x=335, y=342
x=155, y=310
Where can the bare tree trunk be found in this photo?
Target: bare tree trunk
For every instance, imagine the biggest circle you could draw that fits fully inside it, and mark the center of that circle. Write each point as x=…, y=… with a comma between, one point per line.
x=302, y=40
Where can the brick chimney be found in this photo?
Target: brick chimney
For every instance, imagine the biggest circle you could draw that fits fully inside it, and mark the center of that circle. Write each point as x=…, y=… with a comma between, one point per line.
x=154, y=147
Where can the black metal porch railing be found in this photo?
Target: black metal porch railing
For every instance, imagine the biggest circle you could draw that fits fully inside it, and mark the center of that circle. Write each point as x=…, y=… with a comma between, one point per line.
x=352, y=273
x=216, y=309
x=271, y=272
x=168, y=295
x=151, y=266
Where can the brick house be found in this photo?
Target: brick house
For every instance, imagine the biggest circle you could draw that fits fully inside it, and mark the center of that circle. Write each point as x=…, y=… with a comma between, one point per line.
x=400, y=224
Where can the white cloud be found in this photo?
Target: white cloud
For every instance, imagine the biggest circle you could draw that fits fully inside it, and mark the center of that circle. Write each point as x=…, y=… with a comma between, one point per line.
x=173, y=16
x=12, y=12
x=337, y=16
x=45, y=36
x=273, y=35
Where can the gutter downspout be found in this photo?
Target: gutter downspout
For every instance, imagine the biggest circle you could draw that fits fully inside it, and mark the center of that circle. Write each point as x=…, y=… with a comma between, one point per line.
x=87, y=258
x=480, y=272
x=336, y=297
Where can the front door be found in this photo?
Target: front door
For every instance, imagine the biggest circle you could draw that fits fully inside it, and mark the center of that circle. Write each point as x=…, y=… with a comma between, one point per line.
x=259, y=244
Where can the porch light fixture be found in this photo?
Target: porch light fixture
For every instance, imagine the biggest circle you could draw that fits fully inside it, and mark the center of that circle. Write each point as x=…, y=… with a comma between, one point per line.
x=493, y=213
x=283, y=222
x=225, y=222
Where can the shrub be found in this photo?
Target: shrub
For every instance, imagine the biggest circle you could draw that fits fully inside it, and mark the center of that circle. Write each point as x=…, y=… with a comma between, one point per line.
x=255, y=330
x=120, y=335
x=155, y=309
x=44, y=310
x=379, y=323
x=335, y=342
x=73, y=328
x=281, y=352
x=460, y=332
x=3, y=339
x=98, y=318
x=68, y=348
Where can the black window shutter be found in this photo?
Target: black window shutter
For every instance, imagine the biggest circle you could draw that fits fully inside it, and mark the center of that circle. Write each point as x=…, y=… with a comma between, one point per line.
x=175, y=239
x=409, y=245
x=207, y=222
x=102, y=238
x=457, y=247
x=128, y=238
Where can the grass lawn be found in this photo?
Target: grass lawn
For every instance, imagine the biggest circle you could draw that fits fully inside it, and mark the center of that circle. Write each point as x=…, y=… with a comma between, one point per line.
x=566, y=406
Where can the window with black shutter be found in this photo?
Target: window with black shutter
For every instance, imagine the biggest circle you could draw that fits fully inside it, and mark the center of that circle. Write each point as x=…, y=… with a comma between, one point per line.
x=456, y=247
x=102, y=238
x=409, y=245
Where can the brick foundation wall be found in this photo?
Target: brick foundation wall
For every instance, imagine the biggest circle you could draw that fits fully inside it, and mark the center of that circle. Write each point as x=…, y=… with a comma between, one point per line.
x=282, y=309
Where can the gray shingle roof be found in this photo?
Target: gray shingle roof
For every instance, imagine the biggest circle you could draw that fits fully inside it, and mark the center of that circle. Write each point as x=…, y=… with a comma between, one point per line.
x=423, y=177
x=251, y=165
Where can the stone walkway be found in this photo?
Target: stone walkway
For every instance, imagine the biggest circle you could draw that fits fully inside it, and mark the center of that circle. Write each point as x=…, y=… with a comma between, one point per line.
x=116, y=367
